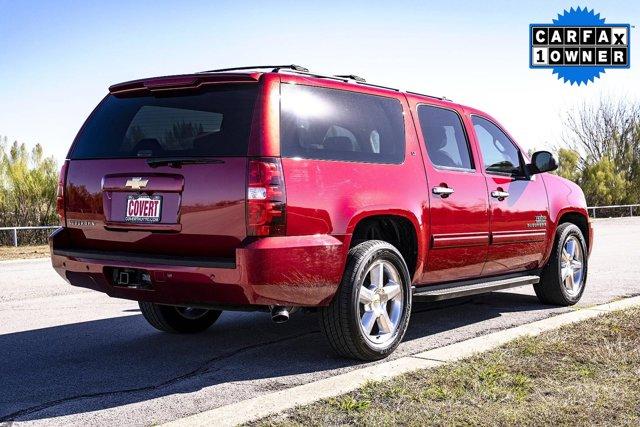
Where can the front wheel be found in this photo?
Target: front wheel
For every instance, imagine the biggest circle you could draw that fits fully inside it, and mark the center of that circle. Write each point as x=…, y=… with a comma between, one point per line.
x=370, y=312
x=563, y=278
x=178, y=320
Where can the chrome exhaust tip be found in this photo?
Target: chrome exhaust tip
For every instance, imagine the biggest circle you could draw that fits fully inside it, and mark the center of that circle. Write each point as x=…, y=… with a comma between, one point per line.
x=280, y=314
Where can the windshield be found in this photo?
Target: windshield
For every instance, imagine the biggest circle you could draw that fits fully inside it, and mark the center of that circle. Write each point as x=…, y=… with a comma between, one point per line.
x=211, y=122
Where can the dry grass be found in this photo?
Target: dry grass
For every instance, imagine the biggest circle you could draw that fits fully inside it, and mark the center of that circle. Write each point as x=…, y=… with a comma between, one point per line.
x=10, y=252
x=582, y=374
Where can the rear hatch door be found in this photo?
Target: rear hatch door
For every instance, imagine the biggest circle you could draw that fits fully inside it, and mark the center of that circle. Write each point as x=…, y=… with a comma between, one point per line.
x=162, y=173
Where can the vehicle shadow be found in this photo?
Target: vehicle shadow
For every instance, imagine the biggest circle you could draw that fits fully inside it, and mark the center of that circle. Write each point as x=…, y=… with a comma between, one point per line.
x=89, y=366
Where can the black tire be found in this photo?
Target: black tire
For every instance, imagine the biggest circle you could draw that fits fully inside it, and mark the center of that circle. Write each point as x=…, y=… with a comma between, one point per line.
x=340, y=321
x=177, y=320
x=550, y=289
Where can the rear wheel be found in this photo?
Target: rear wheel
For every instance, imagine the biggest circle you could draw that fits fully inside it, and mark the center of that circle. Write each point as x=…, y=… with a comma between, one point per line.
x=178, y=320
x=563, y=278
x=370, y=312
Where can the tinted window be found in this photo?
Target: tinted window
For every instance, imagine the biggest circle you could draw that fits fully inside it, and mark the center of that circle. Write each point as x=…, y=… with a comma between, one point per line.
x=444, y=137
x=213, y=122
x=328, y=124
x=498, y=152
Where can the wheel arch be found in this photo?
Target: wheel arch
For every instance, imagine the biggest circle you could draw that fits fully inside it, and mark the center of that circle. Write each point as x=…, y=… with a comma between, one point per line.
x=567, y=203
x=580, y=219
x=398, y=228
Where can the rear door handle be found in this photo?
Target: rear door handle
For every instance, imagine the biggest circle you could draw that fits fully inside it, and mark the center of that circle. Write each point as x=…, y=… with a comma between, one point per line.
x=442, y=191
x=500, y=195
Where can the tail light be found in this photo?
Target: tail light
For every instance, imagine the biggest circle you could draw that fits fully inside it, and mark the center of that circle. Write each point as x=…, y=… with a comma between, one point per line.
x=266, y=198
x=60, y=192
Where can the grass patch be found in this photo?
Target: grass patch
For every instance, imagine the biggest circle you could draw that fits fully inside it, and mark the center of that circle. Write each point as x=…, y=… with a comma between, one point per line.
x=586, y=373
x=21, y=252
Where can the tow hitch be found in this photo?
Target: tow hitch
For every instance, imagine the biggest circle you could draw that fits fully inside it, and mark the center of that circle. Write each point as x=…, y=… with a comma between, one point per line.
x=130, y=278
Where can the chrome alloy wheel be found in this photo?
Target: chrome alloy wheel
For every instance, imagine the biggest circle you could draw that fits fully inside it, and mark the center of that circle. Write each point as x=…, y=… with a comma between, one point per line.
x=572, y=266
x=191, y=313
x=380, y=302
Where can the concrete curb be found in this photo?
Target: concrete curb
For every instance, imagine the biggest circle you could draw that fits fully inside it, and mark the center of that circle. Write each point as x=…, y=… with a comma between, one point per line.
x=272, y=403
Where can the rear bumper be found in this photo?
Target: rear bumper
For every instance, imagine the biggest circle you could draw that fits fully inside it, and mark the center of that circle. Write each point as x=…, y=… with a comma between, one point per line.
x=288, y=270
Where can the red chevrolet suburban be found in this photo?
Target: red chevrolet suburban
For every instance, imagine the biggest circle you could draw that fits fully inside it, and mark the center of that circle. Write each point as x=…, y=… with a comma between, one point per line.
x=275, y=189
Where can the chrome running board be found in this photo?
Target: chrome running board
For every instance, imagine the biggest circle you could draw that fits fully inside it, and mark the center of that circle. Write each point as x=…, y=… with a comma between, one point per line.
x=455, y=290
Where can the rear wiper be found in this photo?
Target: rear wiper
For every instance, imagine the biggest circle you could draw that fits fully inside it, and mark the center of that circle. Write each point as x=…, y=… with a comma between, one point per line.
x=176, y=162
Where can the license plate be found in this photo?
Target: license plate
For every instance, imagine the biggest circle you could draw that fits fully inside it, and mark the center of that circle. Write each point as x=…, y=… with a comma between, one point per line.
x=143, y=209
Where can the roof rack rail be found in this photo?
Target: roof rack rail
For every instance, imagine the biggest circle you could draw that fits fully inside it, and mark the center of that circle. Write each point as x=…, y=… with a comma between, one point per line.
x=292, y=68
x=380, y=86
x=442, y=98
x=351, y=77
x=342, y=78
x=274, y=68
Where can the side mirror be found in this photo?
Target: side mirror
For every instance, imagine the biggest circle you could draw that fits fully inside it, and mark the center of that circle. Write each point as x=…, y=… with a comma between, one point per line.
x=542, y=161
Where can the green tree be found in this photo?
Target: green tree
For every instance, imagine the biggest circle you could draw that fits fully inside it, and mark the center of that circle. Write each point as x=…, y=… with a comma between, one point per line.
x=569, y=164
x=28, y=183
x=603, y=184
x=601, y=151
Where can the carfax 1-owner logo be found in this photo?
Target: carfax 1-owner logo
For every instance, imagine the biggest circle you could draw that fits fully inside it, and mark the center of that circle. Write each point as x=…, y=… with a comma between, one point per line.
x=578, y=46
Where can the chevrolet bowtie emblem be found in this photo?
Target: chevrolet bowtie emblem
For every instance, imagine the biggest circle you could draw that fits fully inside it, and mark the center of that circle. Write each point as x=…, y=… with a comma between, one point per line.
x=136, y=183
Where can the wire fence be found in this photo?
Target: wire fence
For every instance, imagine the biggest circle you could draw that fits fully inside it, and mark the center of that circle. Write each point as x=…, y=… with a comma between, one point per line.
x=25, y=235
x=16, y=236
x=613, y=211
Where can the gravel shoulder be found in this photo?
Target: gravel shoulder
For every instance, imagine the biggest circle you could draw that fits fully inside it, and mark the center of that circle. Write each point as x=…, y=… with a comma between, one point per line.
x=23, y=252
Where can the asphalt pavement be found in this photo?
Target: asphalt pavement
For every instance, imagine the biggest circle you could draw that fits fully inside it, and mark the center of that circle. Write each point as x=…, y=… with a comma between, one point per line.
x=73, y=356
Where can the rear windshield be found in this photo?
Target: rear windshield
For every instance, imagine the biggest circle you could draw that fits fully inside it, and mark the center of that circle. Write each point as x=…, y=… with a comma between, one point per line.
x=211, y=122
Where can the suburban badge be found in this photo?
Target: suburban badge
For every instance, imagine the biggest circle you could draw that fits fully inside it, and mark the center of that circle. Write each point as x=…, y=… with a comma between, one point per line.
x=541, y=221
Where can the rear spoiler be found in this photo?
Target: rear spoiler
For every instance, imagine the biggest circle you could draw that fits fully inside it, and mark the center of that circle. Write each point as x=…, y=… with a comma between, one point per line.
x=186, y=81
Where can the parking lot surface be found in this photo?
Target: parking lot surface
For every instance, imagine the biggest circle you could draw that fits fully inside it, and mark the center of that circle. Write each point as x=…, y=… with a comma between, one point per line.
x=73, y=356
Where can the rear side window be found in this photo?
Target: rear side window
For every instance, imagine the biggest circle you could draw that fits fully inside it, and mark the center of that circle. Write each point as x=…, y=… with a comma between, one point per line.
x=212, y=122
x=329, y=124
x=445, y=139
x=498, y=152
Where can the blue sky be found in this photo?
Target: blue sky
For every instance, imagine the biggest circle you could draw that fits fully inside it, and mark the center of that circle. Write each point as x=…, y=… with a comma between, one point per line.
x=57, y=58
